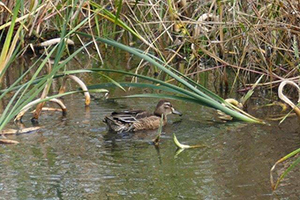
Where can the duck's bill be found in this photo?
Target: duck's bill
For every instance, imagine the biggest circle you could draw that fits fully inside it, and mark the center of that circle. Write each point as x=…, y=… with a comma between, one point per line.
x=176, y=112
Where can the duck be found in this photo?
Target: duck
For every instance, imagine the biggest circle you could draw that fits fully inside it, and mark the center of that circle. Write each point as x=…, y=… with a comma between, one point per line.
x=137, y=120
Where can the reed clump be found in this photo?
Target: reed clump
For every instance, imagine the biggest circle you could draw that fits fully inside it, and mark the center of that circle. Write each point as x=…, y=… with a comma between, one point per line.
x=250, y=38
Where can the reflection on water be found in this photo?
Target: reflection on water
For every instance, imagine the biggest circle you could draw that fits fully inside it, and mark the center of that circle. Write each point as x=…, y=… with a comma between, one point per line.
x=76, y=158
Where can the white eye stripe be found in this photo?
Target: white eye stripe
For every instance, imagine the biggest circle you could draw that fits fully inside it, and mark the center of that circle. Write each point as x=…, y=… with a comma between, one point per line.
x=167, y=104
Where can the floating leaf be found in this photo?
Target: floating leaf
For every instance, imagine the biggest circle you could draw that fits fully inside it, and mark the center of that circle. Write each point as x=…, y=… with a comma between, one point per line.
x=7, y=141
x=15, y=131
x=184, y=146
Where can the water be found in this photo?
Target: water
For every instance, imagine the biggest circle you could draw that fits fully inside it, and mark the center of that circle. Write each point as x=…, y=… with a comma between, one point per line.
x=75, y=157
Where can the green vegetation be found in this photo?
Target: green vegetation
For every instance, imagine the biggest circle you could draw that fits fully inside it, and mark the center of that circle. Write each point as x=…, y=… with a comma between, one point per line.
x=290, y=167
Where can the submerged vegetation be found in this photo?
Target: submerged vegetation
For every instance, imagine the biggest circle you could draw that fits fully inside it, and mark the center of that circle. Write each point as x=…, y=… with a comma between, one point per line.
x=176, y=43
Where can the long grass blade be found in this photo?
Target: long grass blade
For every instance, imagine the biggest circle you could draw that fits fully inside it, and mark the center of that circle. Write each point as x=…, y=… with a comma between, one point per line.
x=296, y=162
x=193, y=91
x=9, y=35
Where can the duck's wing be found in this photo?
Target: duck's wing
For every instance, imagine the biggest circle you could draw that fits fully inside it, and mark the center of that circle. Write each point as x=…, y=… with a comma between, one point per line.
x=129, y=116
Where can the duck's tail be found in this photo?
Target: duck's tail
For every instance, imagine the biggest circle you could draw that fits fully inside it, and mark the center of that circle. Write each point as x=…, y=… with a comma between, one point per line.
x=115, y=125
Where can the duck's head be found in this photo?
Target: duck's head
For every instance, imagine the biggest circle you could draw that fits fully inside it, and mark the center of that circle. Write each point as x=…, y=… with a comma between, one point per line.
x=165, y=108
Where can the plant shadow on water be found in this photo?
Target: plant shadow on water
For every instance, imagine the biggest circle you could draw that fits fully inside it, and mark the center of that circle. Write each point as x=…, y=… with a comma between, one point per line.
x=77, y=158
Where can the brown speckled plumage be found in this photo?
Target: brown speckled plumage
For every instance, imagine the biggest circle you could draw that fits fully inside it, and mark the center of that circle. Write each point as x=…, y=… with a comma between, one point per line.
x=137, y=120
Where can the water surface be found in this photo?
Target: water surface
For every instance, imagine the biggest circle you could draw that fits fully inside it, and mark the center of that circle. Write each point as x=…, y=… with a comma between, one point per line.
x=75, y=157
